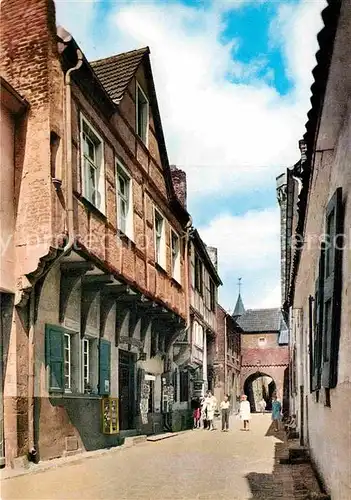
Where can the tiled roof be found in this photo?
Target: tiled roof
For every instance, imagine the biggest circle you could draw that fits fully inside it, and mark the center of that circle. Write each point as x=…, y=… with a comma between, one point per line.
x=265, y=357
x=116, y=72
x=260, y=320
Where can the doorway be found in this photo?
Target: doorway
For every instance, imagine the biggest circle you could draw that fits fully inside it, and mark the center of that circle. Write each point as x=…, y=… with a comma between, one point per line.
x=126, y=377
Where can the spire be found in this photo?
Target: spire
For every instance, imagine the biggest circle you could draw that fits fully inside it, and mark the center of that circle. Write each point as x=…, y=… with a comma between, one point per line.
x=239, y=306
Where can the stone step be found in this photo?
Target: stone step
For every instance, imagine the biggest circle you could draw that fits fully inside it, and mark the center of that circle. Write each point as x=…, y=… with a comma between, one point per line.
x=160, y=437
x=134, y=440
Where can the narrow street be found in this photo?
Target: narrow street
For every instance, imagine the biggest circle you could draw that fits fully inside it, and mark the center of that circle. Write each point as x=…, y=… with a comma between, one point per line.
x=193, y=465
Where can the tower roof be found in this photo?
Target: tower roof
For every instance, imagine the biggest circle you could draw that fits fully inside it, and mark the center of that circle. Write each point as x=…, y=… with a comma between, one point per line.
x=239, y=308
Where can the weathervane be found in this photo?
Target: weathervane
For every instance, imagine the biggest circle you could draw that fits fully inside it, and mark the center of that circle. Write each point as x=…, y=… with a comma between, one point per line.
x=239, y=284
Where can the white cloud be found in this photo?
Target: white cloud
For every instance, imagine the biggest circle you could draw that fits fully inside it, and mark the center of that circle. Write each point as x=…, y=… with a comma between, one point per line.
x=228, y=135
x=248, y=247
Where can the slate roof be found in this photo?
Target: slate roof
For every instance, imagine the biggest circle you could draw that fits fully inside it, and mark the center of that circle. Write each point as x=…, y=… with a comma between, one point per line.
x=260, y=320
x=116, y=72
x=239, y=308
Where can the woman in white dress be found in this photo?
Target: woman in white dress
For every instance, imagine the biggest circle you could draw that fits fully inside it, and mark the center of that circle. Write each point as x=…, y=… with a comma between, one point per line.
x=245, y=412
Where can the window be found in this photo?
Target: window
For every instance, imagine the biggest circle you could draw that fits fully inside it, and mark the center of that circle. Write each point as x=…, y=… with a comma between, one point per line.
x=212, y=296
x=198, y=335
x=74, y=365
x=332, y=290
x=262, y=341
x=124, y=201
x=90, y=366
x=198, y=275
x=67, y=362
x=184, y=386
x=160, y=247
x=92, y=166
x=142, y=118
x=175, y=256
x=175, y=385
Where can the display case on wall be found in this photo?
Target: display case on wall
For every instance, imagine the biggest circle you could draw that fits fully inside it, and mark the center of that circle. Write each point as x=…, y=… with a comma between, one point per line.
x=109, y=411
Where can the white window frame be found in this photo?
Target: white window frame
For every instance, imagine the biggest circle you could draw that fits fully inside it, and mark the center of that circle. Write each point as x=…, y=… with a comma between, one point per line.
x=68, y=387
x=146, y=141
x=100, y=166
x=161, y=258
x=198, y=332
x=175, y=261
x=86, y=379
x=123, y=172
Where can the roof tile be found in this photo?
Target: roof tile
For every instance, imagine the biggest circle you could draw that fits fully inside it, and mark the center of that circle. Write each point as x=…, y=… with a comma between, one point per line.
x=116, y=72
x=260, y=320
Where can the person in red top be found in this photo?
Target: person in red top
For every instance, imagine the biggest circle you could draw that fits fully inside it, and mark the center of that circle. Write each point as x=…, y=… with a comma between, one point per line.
x=195, y=404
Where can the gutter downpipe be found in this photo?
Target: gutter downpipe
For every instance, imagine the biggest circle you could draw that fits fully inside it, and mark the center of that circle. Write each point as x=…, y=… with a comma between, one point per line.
x=225, y=356
x=70, y=229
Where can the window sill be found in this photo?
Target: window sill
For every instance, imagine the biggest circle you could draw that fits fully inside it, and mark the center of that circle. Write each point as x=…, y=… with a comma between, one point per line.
x=70, y=395
x=176, y=283
x=91, y=207
x=160, y=269
x=124, y=237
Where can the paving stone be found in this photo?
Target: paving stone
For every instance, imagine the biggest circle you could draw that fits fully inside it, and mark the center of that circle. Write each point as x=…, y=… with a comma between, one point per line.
x=192, y=466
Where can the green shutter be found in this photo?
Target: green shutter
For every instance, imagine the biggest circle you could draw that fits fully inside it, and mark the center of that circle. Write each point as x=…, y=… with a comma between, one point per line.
x=318, y=324
x=55, y=357
x=332, y=291
x=104, y=367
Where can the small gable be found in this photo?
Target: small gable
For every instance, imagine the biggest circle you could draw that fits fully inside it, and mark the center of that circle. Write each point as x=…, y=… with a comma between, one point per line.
x=128, y=80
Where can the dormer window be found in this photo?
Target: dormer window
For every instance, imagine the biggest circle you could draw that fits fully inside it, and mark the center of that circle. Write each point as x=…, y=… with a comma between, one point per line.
x=142, y=114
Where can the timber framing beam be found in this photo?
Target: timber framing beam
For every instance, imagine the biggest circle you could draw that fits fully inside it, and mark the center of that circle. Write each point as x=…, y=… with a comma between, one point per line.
x=91, y=286
x=71, y=273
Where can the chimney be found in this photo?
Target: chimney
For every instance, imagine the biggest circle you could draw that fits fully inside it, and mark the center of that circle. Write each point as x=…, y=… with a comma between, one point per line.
x=179, y=184
x=213, y=253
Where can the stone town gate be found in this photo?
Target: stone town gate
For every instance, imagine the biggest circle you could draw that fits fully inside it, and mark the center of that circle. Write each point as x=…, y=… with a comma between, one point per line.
x=278, y=374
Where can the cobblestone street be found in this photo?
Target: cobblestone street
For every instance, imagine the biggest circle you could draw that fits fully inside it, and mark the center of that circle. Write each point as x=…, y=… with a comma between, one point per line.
x=193, y=465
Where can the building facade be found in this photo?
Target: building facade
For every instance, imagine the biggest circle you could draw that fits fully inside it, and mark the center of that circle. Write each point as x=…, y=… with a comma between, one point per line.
x=99, y=291
x=264, y=355
x=318, y=291
x=228, y=358
x=197, y=353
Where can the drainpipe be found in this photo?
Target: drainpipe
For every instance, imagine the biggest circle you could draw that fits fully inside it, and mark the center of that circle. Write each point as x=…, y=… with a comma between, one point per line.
x=187, y=294
x=66, y=249
x=225, y=354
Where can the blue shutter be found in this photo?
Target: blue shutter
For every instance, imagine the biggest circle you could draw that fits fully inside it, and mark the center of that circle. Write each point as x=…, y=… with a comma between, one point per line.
x=55, y=357
x=104, y=367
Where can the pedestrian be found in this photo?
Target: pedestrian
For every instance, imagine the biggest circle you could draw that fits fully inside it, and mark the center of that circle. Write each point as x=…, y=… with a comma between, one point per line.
x=225, y=413
x=211, y=404
x=195, y=404
x=262, y=405
x=245, y=412
x=204, y=410
x=276, y=412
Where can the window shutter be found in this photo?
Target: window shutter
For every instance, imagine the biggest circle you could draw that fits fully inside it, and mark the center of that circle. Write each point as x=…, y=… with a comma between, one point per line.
x=332, y=291
x=55, y=357
x=318, y=325
x=104, y=367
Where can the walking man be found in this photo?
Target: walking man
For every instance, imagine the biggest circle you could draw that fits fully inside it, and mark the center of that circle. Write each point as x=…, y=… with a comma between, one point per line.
x=225, y=414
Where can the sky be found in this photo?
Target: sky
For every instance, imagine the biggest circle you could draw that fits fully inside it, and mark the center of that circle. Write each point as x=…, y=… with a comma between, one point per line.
x=233, y=81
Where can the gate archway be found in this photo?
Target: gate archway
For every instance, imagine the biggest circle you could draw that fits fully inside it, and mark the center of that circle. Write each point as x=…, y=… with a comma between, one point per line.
x=259, y=385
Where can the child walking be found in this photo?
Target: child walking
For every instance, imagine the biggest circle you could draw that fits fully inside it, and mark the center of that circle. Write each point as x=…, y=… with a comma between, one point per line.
x=225, y=413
